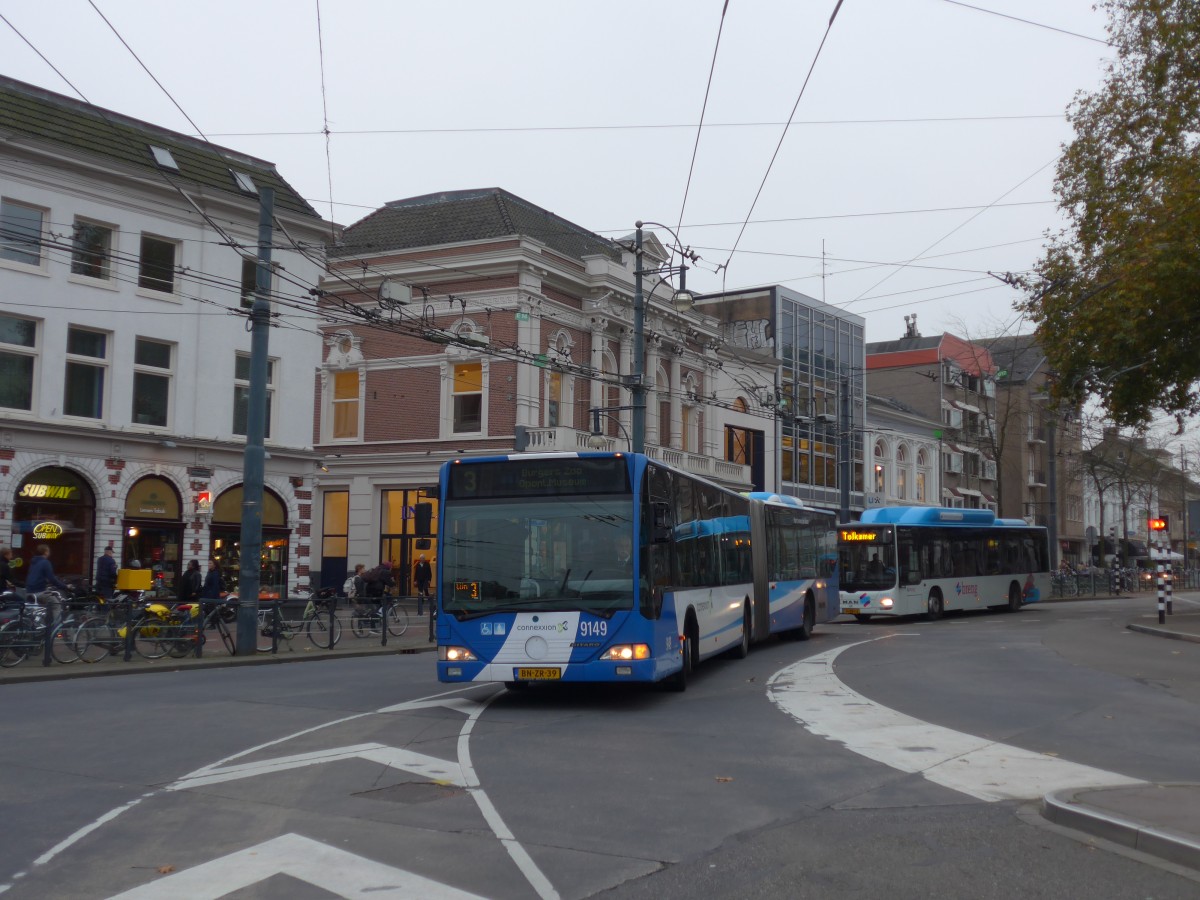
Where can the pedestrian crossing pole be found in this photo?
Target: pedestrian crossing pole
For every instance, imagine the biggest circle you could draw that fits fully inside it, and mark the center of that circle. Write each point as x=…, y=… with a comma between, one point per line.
x=1157, y=526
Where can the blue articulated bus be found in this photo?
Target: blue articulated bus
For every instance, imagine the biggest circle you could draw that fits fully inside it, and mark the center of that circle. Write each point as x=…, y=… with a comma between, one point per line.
x=908, y=560
x=610, y=567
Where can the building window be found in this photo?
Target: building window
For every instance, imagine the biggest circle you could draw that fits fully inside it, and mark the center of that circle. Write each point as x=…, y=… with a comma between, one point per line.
x=880, y=468
x=151, y=382
x=87, y=362
x=241, y=395
x=345, y=405
x=901, y=473
x=18, y=342
x=468, y=398
x=156, y=269
x=21, y=233
x=554, y=399
x=91, y=250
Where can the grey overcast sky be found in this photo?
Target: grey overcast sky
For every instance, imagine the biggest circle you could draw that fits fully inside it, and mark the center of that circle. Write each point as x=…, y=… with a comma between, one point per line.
x=927, y=131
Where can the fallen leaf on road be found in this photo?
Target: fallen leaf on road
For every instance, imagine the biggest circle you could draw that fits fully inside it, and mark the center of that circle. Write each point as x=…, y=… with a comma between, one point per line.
x=166, y=870
x=723, y=778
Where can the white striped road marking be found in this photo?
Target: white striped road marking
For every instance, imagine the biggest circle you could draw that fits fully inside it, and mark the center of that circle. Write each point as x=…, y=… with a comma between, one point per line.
x=340, y=873
x=812, y=694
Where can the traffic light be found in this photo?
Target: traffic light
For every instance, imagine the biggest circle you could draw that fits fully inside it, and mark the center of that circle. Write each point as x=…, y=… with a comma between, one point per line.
x=1161, y=523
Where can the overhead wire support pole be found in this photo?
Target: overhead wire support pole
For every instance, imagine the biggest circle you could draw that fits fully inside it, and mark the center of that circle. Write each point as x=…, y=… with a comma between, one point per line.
x=254, y=464
x=637, y=378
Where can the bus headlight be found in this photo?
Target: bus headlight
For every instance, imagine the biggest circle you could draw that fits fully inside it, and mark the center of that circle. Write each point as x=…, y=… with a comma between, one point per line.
x=455, y=654
x=627, y=651
x=885, y=602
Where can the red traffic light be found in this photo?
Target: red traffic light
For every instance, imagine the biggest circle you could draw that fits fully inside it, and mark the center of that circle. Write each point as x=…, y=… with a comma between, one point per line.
x=1158, y=524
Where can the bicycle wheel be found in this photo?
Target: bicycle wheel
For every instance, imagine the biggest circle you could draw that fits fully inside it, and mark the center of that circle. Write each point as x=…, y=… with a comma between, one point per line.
x=226, y=637
x=150, y=637
x=397, y=621
x=95, y=638
x=360, y=625
x=15, y=643
x=63, y=647
x=264, y=631
x=324, y=630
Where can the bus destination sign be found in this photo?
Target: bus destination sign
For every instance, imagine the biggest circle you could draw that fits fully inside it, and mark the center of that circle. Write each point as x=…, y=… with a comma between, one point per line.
x=537, y=478
x=861, y=535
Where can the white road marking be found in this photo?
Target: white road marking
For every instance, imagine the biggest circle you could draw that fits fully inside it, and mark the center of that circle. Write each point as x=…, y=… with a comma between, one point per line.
x=461, y=774
x=813, y=695
x=337, y=871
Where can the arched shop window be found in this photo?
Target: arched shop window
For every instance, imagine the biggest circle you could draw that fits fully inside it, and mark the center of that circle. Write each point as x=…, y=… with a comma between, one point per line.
x=153, y=529
x=55, y=507
x=226, y=537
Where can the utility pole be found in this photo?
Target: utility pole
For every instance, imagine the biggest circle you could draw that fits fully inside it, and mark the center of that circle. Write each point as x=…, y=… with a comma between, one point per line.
x=250, y=556
x=636, y=384
x=846, y=466
x=1052, y=488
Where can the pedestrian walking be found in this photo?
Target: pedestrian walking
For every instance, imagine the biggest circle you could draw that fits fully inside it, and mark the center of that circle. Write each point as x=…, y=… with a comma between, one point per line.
x=214, y=586
x=422, y=575
x=41, y=577
x=106, y=574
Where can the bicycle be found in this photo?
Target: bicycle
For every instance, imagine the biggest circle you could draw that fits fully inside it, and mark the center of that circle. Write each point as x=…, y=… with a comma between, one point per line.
x=318, y=622
x=1064, y=584
x=156, y=629
x=29, y=626
x=367, y=617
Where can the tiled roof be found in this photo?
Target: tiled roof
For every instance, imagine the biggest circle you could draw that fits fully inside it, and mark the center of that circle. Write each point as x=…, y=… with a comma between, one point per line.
x=461, y=216
x=46, y=116
x=904, y=344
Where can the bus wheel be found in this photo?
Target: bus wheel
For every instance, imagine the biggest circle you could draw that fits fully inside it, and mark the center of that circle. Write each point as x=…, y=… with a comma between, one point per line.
x=804, y=632
x=934, y=609
x=1014, y=597
x=679, y=681
x=742, y=650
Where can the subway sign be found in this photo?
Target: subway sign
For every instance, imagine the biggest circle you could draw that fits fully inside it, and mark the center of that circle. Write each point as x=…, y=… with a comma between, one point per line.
x=49, y=492
x=860, y=535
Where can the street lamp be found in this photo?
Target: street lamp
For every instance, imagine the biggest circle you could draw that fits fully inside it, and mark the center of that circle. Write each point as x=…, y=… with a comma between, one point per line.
x=597, y=440
x=681, y=298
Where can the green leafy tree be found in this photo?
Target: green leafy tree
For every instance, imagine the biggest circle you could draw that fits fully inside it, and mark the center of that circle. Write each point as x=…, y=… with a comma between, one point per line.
x=1117, y=295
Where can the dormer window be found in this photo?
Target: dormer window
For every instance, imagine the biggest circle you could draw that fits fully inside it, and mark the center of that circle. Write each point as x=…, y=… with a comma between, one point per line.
x=244, y=182
x=163, y=157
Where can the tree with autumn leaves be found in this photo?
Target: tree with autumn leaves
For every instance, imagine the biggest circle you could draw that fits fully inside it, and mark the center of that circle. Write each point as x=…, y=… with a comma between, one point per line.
x=1116, y=297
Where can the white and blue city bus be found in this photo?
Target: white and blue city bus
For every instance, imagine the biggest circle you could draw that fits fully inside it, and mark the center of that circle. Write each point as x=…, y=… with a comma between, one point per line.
x=909, y=560
x=597, y=567
x=795, y=562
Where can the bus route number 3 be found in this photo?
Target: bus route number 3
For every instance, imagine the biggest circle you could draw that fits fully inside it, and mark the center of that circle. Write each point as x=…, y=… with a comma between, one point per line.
x=593, y=629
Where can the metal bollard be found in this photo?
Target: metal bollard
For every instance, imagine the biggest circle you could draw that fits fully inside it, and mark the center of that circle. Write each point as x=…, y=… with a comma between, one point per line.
x=1170, y=589
x=1162, y=597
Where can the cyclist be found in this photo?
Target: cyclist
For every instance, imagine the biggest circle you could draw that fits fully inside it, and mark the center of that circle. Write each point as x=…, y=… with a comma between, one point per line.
x=41, y=577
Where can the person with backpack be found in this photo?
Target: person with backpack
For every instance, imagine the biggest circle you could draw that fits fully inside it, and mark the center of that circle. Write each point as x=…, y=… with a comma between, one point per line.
x=353, y=587
x=378, y=580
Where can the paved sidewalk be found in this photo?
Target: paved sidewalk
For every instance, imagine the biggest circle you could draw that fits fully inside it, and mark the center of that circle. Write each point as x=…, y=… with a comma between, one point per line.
x=1162, y=820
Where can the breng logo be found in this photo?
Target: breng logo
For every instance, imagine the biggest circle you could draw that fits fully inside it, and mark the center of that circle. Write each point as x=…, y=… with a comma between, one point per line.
x=961, y=588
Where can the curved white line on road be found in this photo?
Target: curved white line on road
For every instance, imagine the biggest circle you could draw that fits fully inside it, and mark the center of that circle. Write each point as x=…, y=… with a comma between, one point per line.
x=221, y=771
x=814, y=696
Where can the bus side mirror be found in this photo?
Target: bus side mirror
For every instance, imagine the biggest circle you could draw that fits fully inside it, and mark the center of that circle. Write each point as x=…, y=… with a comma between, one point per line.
x=663, y=524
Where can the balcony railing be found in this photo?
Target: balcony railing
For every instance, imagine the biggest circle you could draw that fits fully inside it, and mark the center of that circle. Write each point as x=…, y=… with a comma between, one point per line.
x=548, y=440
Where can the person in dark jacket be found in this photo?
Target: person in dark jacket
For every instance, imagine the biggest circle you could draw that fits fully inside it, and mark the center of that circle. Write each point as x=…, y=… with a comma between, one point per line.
x=6, y=582
x=191, y=583
x=214, y=584
x=106, y=574
x=41, y=577
x=422, y=575
x=379, y=580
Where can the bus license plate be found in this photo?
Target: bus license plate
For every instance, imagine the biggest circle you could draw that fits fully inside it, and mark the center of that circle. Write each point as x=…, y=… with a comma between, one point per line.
x=539, y=674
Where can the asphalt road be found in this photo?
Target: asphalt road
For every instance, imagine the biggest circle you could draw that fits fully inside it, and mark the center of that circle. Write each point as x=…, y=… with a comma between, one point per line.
x=365, y=777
